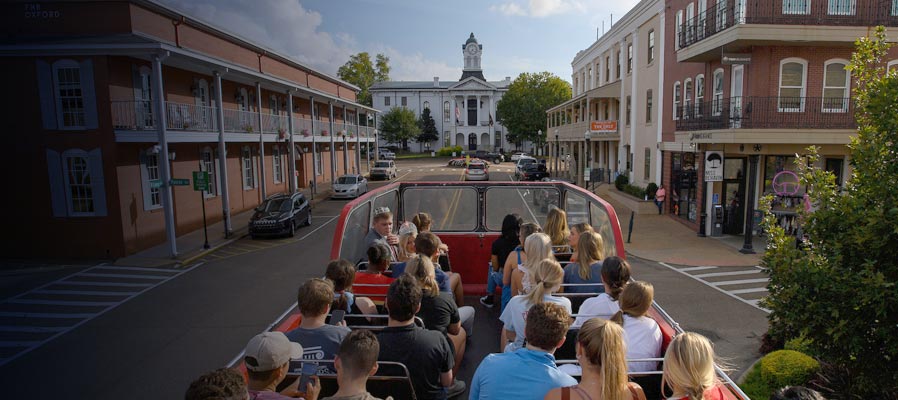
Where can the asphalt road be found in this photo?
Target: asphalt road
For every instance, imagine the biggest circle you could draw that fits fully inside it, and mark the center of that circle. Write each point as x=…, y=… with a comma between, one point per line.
x=154, y=344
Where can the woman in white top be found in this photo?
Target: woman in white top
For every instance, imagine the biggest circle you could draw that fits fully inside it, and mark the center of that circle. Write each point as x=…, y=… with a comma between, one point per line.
x=615, y=275
x=537, y=247
x=641, y=333
x=546, y=279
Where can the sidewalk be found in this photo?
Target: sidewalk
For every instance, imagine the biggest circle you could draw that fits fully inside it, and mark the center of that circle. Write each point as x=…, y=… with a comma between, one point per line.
x=661, y=238
x=190, y=245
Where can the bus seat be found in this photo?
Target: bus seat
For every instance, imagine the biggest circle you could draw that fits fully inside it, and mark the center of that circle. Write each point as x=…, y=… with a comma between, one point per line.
x=392, y=379
x=568, y=349
x=563, y=257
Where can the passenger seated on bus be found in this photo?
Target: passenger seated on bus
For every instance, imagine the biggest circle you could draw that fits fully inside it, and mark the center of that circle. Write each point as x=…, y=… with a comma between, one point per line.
x=536, y=249
x=423, y=221
x=796, y=393
x=428, y=244
x=689, y=368
x=574, y=237
x=319, y=340
x=355, y=362
x=342, y=274
x=438, y=310
x=502, y=247
x=427, y=354
x=602, y=365
x=641, y=333
x=516, y=260
x=406, y=248
x=378, y=262
x=547, y=278
x=529, y=372
x=382, y=231
x=267, y=359
x=556, y=226
x=615, y=275
x=590, y=253
x=223, y=383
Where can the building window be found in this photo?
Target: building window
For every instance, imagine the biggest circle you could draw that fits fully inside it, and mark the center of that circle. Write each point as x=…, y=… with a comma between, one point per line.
x=446, y=113
x=249, y=181
x=319, y=165
x=841, y=7
x=69, y=96
x=793, y=77
x=717, y=88
x=679, y=30
x=629, y=108
x=208, y=165
x=687, y=99
x=152, y=167
x=892, y=65
x=498, y=141
x=796, y=7
x=676, y=100
x=651, y=46
x=722, y=14
x=702, y=16
x=689, y=21
x=386, y=101
x=607, y=68
x=78, y=183
x=426, y=105
x=629, y=57
x=646, y=175
x=404, y=101
x=894, y=8
x=617, y=66
x=835, y=86
x=589, y=77
x=607, y=111
x=276, y=164
x=648, y=106
x=699, y=95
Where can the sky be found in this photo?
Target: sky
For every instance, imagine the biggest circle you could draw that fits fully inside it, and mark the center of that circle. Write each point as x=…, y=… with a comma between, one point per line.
x=422, y=38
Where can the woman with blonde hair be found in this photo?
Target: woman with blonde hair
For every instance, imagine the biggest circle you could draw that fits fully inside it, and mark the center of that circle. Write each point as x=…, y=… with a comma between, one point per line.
x=438, y=309
x=537, y=248
x=574, y=237
x=556, y=226
x=689, y=368
x=546, y=280
x=641, y=333
x=587, y=269
x=601, y=355
x=516, y=259
x=406, y=248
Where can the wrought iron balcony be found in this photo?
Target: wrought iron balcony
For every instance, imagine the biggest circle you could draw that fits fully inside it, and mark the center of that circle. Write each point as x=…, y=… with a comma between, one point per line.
x=752, y=112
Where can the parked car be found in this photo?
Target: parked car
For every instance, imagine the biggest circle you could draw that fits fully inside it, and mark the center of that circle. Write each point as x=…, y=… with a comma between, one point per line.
x=279, y=215
x=519, y=165
x=495, y=158
x=477, y=171
x=386, y=154
x=350, y=187
x=533, y=172
x=384, y=169
x=518, y=155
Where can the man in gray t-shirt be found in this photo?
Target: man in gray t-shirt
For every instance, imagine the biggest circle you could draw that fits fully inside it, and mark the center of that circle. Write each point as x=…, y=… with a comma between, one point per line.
x=319, y=340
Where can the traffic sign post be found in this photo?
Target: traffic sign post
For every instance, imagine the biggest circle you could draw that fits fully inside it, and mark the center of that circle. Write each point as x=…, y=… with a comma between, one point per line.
x=201, y=184
x=179, y=182
x=155, y=183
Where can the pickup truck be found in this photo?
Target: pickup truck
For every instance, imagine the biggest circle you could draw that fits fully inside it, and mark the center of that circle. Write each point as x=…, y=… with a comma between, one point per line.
x=495, y=158
x=532, y=172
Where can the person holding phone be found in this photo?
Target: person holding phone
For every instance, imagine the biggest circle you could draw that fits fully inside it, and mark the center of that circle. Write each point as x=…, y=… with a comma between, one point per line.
x=267, y=359
x=319, y=340
x=356, y=361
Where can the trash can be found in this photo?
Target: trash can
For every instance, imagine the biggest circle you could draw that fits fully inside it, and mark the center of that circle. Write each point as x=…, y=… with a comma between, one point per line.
x=717, y=221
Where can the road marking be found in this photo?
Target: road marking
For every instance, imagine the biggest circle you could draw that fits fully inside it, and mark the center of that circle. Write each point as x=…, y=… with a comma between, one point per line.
x=11, y=314
x=750, y=290
x=713, y=274
x=529, y=210
x=101, y=275
x=91, y=283
x=739, y=282
x=18, y=344
x=32, y=329
x=81, y=292
x=696, y=268
x=716, y=285
x=61, y=303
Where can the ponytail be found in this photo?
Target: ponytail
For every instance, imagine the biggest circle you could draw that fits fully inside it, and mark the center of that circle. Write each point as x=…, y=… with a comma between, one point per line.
x=422, y=269
x=341, y=301
x=342, y=274
x=635, y=300
x=545, y=279
x=618, y=317
x=602, y=344
x=615, y=273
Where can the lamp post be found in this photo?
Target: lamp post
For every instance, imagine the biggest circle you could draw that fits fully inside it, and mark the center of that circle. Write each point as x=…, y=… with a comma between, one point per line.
x=557, y=150
x=586, y=170
x=376, y=147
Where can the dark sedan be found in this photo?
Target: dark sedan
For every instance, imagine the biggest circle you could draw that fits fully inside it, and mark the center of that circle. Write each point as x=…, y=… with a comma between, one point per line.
x=280, y=215
x=533, y=172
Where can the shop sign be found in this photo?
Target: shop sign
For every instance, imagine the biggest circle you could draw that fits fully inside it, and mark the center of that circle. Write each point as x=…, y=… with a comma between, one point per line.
x=736, y=59
x=713, y=166
x=603, y=126
x=786, y=183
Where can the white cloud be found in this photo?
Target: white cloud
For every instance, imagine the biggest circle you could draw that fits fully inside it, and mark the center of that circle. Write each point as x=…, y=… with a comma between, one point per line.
x=509, y=9
x=539, y=8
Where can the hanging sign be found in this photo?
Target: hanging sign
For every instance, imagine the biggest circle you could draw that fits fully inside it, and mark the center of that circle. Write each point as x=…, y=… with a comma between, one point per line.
x=713, y=166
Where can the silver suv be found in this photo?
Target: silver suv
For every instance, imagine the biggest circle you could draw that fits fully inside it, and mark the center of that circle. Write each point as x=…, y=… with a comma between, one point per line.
x=383, y=169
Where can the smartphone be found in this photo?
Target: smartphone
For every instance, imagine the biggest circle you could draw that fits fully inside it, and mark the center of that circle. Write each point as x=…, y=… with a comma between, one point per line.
x=337, y=316
x=309, y=370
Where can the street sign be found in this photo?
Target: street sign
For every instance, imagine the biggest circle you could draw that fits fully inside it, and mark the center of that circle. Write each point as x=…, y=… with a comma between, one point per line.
x=603, y=126
x=200, y=181
x=179, y=182
x=155, y=183
x=586, y=172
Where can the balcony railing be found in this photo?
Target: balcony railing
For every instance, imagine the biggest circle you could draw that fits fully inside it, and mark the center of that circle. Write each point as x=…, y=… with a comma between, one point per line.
x=724, y=14
x=751, y=112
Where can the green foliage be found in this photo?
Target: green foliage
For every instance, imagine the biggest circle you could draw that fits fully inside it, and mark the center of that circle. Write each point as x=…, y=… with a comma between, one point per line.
x=360, y=71
x=800, y=344
x=428, y=128
x=787, y=368
x=523, y=108
x=754, y=386
x=634, y=191
x=650, y=190
x=447, y=151
x=399, y=125
x=621, y=181
x=840, y=290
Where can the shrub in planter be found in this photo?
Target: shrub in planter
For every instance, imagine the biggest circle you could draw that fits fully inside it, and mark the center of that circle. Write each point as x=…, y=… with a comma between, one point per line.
x=620, y=181
x=634, y=191
x=787, y=368
x=650, y=190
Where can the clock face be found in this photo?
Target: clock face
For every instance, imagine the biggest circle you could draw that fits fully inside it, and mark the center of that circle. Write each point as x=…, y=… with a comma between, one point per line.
x=472, y=48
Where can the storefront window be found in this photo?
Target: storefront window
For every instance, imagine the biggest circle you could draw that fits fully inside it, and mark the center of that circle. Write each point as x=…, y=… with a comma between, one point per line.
x=781, y=180
x=684, y=184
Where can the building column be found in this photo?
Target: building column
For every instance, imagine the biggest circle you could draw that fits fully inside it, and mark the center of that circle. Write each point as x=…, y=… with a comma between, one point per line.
x=478, y=111
x=358, y=144
x=261, y=141
x=330, y=112
x=222, y=158
x=747, y=247
x=292, y=152
x=493, y=131
x=315, y=154
x=345, y=144
x=165, y=166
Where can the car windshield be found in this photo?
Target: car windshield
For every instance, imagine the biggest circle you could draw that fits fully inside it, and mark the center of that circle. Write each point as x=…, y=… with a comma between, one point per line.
x=475, y=166
x=382, y=165
x=346, y=180
x=281, y=205
x=525, y=161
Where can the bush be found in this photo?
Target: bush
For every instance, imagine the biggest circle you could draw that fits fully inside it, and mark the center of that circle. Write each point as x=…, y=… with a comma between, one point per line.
x=800, y=344
x=650, y=190
x=634, y=191
x=787, y=368
x=447, y=151
x=620, y=181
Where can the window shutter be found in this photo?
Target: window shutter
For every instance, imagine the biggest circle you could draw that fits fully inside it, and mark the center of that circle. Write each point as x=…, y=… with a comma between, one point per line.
x=97, y=182
x=88, y=94
x=57, y=185
x=47, y=97
x=256, y=168
x=145, y=181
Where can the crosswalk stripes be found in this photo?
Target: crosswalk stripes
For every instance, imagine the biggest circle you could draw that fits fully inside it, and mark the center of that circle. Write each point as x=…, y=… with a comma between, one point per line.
x=452, y=170
x=746, y=284
x=33, y=318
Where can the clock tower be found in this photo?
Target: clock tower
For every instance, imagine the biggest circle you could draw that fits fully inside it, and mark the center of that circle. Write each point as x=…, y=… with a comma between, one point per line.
x=472, y=51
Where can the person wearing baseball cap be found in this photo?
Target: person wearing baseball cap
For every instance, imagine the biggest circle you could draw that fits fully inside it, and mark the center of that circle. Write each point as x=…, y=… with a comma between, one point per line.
x=267, y=359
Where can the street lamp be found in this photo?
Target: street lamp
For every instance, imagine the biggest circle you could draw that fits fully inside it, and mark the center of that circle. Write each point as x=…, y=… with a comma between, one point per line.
x=376, y=147
x=586, y=170
x=557, y=151
x=539, y=135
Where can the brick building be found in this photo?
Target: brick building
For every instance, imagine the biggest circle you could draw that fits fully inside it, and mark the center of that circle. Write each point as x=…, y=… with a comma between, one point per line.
x=96, y=153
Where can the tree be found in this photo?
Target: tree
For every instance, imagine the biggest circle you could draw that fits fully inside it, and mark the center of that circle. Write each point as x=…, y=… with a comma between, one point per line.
x=523, y=108
x=399, y=125
x=428, y=128
x=839, y=289
x=361, y=72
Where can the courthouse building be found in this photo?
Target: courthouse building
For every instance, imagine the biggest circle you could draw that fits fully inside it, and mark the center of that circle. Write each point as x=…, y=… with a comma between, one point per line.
x=115, y=99
x=464, y=110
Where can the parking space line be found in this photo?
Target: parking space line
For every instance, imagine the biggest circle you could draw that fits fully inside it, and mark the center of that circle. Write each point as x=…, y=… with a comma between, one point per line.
x=141, y=269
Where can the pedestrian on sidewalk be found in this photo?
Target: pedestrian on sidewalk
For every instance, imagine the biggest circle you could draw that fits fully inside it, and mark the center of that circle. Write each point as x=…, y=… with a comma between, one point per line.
x=660, y=194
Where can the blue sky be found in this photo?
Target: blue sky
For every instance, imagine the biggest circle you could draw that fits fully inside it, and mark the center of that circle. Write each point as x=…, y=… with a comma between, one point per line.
x=422, y=38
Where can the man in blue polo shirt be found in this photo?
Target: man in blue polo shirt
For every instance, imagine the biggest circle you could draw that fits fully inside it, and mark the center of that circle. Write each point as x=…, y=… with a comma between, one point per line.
x=535, y=372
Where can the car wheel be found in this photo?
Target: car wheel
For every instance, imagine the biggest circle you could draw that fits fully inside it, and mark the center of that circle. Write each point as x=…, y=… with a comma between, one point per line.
x=309, y=218
x=292, y=229
x=496, y=161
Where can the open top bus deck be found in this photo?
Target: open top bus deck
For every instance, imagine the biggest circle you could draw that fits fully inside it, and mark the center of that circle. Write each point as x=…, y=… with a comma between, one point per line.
x=467, y=216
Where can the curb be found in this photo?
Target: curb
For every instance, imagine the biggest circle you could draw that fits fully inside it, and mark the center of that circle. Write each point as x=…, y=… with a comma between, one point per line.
x=191, y=259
